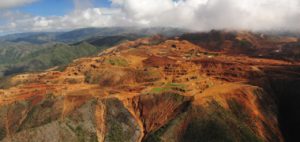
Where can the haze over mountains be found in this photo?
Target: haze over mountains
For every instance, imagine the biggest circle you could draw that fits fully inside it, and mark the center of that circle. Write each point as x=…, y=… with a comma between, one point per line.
x=37, y=51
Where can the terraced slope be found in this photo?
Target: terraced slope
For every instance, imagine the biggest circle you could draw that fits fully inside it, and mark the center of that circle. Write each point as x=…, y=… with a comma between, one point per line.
x=143, y=90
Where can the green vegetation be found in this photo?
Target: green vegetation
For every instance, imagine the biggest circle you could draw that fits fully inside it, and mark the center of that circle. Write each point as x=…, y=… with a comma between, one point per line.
x=211, y=54
x=28, y=122
x=69, y=126
x=169, y=87
x=245, y=43
x=28, y=52
x=2, y=133
x=147, y=75
x=44, y=58
x=120, y=126
x=159, y=90
x=176, y=86
x=178, y=97
x=116, y=133
x=80, y=134
x=5, y=82
x=92, y=78
x=215, y=124
x=156, y=136
x=208, y=130
x=239, y=110
x=117, y=61
x=93, y=138
x=40, y=114
x=23, y=57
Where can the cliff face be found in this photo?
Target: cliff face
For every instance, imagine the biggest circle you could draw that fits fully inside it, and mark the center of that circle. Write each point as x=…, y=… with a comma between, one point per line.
x=149, y=90
x=285, y=82
x=233, y=112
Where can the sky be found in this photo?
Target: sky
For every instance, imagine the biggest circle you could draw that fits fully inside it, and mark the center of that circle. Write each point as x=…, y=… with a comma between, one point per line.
x=202, y=15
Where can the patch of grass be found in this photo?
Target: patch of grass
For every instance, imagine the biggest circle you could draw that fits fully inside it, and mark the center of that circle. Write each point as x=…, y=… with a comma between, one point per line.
x=177, y=86
x=159, y=90
x=169, y=87
x=117, y=61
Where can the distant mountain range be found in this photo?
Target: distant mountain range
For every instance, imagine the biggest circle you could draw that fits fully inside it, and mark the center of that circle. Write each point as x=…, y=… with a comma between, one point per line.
x=25, y=52
x=86, y=33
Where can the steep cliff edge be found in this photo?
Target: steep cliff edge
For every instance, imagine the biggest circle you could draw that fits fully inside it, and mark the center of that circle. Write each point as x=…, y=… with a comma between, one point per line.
x=285, y=82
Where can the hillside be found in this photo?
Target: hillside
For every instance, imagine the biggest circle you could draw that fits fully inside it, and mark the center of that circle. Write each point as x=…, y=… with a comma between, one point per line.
x=259, y=45
x=29, y=58
x=32, y=52
x=154, y=89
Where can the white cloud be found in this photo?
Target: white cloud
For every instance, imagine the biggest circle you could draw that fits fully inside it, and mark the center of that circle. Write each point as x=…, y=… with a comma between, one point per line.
x=145, y=8
x=14, y=3
x=193, y=14
x=214, y=14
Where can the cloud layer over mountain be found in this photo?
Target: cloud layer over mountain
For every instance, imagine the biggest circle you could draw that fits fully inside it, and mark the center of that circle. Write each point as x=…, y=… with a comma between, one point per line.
x=192, y=14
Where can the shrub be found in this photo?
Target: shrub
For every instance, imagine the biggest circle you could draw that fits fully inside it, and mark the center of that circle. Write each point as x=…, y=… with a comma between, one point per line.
x=92, y=79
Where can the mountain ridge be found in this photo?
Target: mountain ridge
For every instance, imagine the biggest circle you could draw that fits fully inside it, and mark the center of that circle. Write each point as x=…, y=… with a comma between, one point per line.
x=153, y=89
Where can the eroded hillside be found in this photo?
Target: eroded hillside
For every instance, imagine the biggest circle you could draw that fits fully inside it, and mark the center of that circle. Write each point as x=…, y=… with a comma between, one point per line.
x=149, y=90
